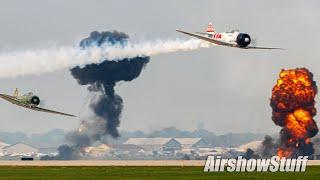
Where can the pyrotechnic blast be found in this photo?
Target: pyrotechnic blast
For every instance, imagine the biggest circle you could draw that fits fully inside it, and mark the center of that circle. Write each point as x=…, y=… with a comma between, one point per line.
x=293, y=108
x=106, y=105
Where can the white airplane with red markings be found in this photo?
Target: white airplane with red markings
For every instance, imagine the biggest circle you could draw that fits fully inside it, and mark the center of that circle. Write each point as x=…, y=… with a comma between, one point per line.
x=233, y=38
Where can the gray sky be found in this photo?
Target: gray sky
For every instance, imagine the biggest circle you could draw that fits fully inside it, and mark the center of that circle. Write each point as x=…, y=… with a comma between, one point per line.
x=226, y=89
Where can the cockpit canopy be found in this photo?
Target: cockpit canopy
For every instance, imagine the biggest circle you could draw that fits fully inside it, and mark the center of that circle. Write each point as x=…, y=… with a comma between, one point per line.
x=234, y=30
x=29, y=94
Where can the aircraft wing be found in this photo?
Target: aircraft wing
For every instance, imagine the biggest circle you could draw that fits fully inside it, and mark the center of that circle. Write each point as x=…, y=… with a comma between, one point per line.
x=214, y=41
x=13, y=100
x=51, y=111
x=255, y=47
x=9, y=98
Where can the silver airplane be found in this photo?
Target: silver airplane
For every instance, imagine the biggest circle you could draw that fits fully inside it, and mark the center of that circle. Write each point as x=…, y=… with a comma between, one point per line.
x=29, y=101
x=229, y=39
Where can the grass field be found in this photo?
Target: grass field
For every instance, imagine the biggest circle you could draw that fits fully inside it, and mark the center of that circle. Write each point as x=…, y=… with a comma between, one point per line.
x=24, y=172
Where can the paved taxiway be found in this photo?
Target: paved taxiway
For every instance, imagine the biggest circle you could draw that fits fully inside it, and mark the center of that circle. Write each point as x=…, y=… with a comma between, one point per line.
x=118, y=163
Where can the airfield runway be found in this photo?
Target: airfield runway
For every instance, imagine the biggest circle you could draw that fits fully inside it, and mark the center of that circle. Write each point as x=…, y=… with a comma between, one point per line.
x=105, y=163
x=117, y=163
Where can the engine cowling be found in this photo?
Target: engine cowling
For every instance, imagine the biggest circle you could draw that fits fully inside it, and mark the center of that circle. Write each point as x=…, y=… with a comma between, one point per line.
x=35, y=100
x=243, y=40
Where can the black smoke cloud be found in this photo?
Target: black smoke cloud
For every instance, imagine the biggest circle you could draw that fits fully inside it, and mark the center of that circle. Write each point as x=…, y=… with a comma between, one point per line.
x=106, y=105
x=269, y=147
x=103, y=78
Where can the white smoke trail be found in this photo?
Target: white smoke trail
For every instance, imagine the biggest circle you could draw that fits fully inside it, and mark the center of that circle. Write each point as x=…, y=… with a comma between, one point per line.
x=34, y=62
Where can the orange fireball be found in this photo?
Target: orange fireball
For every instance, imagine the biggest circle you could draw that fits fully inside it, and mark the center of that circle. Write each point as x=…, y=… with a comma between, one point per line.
x=293, y=108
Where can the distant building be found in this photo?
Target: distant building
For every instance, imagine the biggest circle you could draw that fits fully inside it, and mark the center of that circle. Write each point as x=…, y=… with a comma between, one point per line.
x=20, y=149
x=125, y=148
x=191, y=143
x=254, y=145
x=97, y=151
x=187, y=142
x=3, y=145
x=209, y=152
x=155, y=144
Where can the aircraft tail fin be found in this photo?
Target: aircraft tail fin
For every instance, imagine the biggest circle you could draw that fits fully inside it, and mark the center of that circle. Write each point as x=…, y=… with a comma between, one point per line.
x=210, y=28
x=16, y=93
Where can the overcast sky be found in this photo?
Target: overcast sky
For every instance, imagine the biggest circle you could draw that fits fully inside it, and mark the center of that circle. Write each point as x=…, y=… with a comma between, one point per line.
x=226, y=89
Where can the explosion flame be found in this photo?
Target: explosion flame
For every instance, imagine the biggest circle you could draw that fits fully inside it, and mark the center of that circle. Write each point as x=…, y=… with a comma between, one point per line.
x=293, y=108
